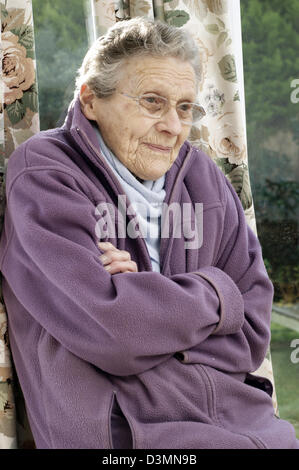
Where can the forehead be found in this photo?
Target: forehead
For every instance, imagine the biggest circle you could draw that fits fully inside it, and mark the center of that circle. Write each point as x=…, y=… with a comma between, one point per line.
x=167, y=76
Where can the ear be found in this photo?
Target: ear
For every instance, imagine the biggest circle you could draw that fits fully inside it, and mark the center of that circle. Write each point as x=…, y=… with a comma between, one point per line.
x=87, y=100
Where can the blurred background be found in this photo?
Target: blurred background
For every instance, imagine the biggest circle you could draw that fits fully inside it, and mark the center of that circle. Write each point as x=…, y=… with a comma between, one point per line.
x=270, y=42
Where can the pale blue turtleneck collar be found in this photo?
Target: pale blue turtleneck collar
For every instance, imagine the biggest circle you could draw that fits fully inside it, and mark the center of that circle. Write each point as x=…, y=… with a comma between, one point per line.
x=146, y=198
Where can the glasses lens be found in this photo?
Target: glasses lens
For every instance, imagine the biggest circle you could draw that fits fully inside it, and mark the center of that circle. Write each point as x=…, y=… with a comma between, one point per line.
x=190, y=113
x=185, y=112
x=198, y=112
x=153, y=105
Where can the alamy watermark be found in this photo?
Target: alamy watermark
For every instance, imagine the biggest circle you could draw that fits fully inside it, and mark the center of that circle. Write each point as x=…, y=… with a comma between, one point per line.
x=295, y=354
x=295, y=93
x=177, y=221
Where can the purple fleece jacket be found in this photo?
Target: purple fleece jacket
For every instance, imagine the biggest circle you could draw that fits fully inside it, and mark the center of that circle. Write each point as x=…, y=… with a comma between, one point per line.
x=174, y=349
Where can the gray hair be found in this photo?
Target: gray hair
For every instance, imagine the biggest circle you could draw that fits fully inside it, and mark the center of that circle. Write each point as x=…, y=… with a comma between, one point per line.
x=139, y=36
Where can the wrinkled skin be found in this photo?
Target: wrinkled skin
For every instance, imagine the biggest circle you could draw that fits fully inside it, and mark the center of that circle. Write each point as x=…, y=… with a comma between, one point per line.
x=127, y=131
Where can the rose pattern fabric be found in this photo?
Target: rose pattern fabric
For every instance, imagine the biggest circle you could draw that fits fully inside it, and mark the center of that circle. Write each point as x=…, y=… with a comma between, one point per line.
x=18, y=72
x=20, y=103
x=19, y=120
x=220, y=134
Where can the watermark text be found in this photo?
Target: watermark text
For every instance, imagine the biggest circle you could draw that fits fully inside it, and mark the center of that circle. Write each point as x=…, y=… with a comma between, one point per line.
x=295, y=93
x=175, y=221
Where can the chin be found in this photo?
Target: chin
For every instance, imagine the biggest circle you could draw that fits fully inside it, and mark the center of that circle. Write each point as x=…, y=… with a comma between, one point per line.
x=155, y=167
x=152, y=175
x=148, y=177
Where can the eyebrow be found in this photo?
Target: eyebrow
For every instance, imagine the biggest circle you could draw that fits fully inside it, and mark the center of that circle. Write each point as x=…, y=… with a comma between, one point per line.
x=182, y=100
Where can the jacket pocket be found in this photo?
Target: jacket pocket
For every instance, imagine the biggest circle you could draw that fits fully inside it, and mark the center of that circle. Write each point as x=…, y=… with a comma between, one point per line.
x=262, y=383
x=210, y=392
x=121, y=435
x=240, y=403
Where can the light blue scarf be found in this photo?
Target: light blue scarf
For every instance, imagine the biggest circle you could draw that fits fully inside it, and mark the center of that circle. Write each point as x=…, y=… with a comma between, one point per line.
x=146, y=198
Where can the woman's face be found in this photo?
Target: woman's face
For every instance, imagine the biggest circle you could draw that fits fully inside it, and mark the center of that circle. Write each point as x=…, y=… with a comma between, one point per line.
x=131, y=135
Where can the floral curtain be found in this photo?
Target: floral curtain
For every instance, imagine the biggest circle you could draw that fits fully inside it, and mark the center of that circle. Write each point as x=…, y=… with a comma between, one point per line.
x=216, y=27
x=19, y=120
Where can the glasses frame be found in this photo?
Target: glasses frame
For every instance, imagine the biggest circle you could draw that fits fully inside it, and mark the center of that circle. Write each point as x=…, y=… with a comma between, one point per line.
x=143, y=110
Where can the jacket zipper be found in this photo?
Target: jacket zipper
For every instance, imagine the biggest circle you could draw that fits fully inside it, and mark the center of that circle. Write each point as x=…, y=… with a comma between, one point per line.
x=119, y=188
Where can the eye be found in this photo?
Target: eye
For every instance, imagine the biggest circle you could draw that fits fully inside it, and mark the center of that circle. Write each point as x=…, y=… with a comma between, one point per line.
x=152, y=103
x=151, y=99
x=185, y=110
x=185, y=107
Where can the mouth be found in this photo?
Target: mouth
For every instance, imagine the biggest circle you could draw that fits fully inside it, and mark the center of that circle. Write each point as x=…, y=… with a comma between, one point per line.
x=158, y=148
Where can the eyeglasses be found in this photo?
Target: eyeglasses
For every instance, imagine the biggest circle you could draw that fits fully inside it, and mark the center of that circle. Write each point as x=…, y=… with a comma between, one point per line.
x=156, y=106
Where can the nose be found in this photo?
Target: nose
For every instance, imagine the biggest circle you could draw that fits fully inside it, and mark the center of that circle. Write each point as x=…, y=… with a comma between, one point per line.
x=170, y=122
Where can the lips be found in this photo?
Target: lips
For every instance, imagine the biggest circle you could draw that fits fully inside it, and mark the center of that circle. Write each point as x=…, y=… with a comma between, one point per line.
x=158, y=147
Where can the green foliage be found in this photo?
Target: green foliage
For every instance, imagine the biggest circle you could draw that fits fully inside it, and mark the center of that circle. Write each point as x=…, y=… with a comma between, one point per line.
x=279, y=200
x=61, y=43
x=281, y=335
x=240, y=181
x=278, y=234
x=285, y=374
x=25, y=35
x=270, y=56
x=15, y=111
x=66, y=18
x=271, y=62
x=227, y=68
x=225, y=165
x=220, y=30
x=177, y=17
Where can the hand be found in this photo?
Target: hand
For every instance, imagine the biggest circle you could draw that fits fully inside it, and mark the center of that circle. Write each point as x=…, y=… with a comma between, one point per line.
x=116, y=261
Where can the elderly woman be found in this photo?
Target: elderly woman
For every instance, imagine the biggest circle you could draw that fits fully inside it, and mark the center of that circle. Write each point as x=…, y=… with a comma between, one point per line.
x=147, y=340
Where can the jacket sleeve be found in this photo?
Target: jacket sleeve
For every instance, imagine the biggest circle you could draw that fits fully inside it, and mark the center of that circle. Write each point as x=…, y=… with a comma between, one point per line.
x=240, y=257
x=123, y=323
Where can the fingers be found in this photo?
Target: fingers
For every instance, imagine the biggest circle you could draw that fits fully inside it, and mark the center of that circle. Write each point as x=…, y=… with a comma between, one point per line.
x=106, y=246
x=121, y=267
x=111, y=256
x=115, y=260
